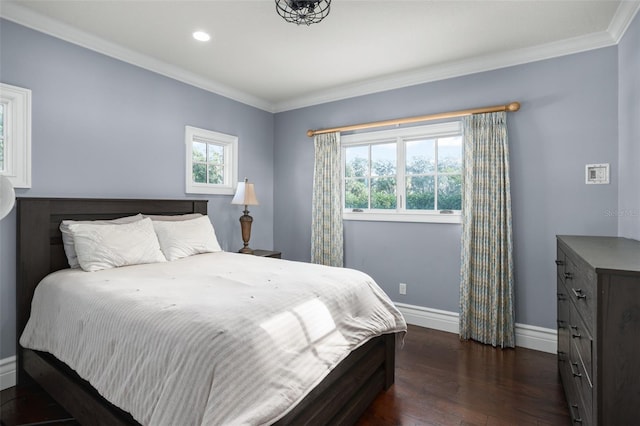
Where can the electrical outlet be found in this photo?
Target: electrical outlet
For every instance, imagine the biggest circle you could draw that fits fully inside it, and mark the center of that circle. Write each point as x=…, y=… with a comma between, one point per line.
x=403, y=288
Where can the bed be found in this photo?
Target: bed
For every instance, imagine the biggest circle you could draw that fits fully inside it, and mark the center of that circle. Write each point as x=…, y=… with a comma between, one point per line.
x=340, y=398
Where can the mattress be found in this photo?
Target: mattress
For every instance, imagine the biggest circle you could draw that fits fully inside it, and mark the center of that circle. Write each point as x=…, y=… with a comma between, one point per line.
x=212, y=339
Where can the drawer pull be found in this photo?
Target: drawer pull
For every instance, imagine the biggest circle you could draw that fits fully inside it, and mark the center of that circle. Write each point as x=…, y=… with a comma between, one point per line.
x=575, y=335
x=568, y=275
x=559, y=262
x=561, y=356
x=560, y=323
x=561, y=296
x=576, y=419
x=575, y=374
x=579, y=293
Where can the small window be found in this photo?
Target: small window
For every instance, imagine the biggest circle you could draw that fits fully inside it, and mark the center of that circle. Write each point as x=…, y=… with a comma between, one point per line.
x=15, y=135
x=212, y=162
x=409, y=175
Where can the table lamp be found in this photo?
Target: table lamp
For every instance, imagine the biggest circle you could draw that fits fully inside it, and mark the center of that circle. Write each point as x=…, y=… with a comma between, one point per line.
x=245, y=195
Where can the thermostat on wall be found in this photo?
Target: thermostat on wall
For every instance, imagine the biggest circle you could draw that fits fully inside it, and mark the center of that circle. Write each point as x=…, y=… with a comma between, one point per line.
x=597, y=174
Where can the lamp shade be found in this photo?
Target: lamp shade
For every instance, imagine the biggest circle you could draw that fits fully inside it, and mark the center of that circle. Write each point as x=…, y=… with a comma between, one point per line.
x=7, y=196
x=245, y=194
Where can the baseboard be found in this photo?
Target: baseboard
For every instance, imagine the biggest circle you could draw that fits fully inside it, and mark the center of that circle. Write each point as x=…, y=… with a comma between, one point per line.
x=430, y=318
x=538, y=338
x=7, y=372
x=527, y=336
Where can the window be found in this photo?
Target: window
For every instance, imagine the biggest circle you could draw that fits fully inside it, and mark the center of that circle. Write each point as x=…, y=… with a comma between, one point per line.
x=212, y=162
x=15, y=135
x=412, y=174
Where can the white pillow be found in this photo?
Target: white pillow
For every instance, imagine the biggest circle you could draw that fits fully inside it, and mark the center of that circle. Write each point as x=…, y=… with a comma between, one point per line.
x=180, y=239
x=67, y=238
x=172, y=218
x=110, y=246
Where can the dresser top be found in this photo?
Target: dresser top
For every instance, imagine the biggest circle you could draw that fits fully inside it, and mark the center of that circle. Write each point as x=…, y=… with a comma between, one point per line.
x=606, y=253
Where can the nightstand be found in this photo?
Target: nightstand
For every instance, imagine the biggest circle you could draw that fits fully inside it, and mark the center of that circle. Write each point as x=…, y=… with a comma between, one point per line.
x=267, y=253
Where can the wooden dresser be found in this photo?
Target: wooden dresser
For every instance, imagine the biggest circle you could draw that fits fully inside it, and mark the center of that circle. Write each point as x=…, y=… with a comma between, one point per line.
x=599, y=328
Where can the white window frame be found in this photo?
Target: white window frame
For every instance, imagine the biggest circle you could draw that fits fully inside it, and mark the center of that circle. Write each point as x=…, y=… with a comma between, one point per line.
x=398, y=136
x=17, y=134
x=230, y=144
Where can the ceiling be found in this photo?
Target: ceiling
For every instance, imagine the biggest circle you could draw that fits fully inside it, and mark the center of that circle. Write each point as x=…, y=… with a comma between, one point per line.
x=255, y=57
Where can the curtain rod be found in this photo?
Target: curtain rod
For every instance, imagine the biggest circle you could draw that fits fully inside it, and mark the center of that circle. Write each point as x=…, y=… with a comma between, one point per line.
x=512, y=107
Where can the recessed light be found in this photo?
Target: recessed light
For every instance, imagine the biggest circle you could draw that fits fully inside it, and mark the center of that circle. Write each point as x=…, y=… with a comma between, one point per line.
x=201, y=36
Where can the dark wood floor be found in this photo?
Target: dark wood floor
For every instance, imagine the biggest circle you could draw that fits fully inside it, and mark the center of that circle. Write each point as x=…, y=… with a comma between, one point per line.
x=439, y=381
x=443, y=381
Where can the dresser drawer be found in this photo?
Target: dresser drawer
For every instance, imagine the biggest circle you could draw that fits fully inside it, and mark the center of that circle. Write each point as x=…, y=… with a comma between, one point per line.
x=582, y=384
x=581, y=344
x=581, y=285
x=579, y=391
x=560, y=263
x=577, y=413
x=576, y=405
x=564, y=336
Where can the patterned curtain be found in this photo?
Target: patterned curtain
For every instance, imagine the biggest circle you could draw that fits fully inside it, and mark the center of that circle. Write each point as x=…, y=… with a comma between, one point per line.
x=326, y=222
x=486, y=287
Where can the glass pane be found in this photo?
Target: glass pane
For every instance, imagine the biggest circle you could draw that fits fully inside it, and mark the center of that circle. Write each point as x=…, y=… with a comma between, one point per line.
x=216, y=174
x=421, y=156
x=383, y=193
x=383, y=159
x=421, y=192
x=450, y=154
x=198, y=151
x=357, y=161
x=356, y=194
x=215, y=154
x=450, y=192
x=199, y=173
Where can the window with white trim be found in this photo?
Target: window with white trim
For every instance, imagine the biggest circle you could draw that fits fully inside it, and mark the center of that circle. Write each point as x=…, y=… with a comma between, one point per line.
x=407, y=175
x=212, y=162
x=15, y=135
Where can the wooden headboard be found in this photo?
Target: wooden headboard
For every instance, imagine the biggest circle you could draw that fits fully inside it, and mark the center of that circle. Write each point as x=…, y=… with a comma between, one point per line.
x=39, y=241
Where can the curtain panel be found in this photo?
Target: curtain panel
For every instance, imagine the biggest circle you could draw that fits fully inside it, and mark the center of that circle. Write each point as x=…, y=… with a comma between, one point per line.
x=326, y=222
x=486, y=286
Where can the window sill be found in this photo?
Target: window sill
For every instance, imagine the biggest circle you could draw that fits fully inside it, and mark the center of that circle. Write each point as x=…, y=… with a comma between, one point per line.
x=455, y=218
x=210, y=189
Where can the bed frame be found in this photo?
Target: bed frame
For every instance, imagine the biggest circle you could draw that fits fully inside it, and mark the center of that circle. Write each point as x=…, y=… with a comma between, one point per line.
x=340, y=398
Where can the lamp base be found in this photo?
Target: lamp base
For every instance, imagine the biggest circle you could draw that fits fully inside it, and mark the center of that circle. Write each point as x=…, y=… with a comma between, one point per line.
x=245, y=226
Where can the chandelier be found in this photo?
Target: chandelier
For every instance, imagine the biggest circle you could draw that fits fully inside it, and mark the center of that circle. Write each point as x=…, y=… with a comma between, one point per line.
x=303, y=12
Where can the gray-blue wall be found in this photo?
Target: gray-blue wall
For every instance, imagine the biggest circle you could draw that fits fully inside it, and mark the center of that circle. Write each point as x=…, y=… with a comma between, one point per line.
x=104, y=128
x=568, y=119
x=629, y=127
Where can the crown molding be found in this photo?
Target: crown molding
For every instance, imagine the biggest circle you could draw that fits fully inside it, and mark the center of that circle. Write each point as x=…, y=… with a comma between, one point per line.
x=625, y=13
x=36, y=21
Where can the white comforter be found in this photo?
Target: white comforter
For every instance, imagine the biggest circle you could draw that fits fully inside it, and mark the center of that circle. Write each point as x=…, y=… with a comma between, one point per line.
x=212, y=339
